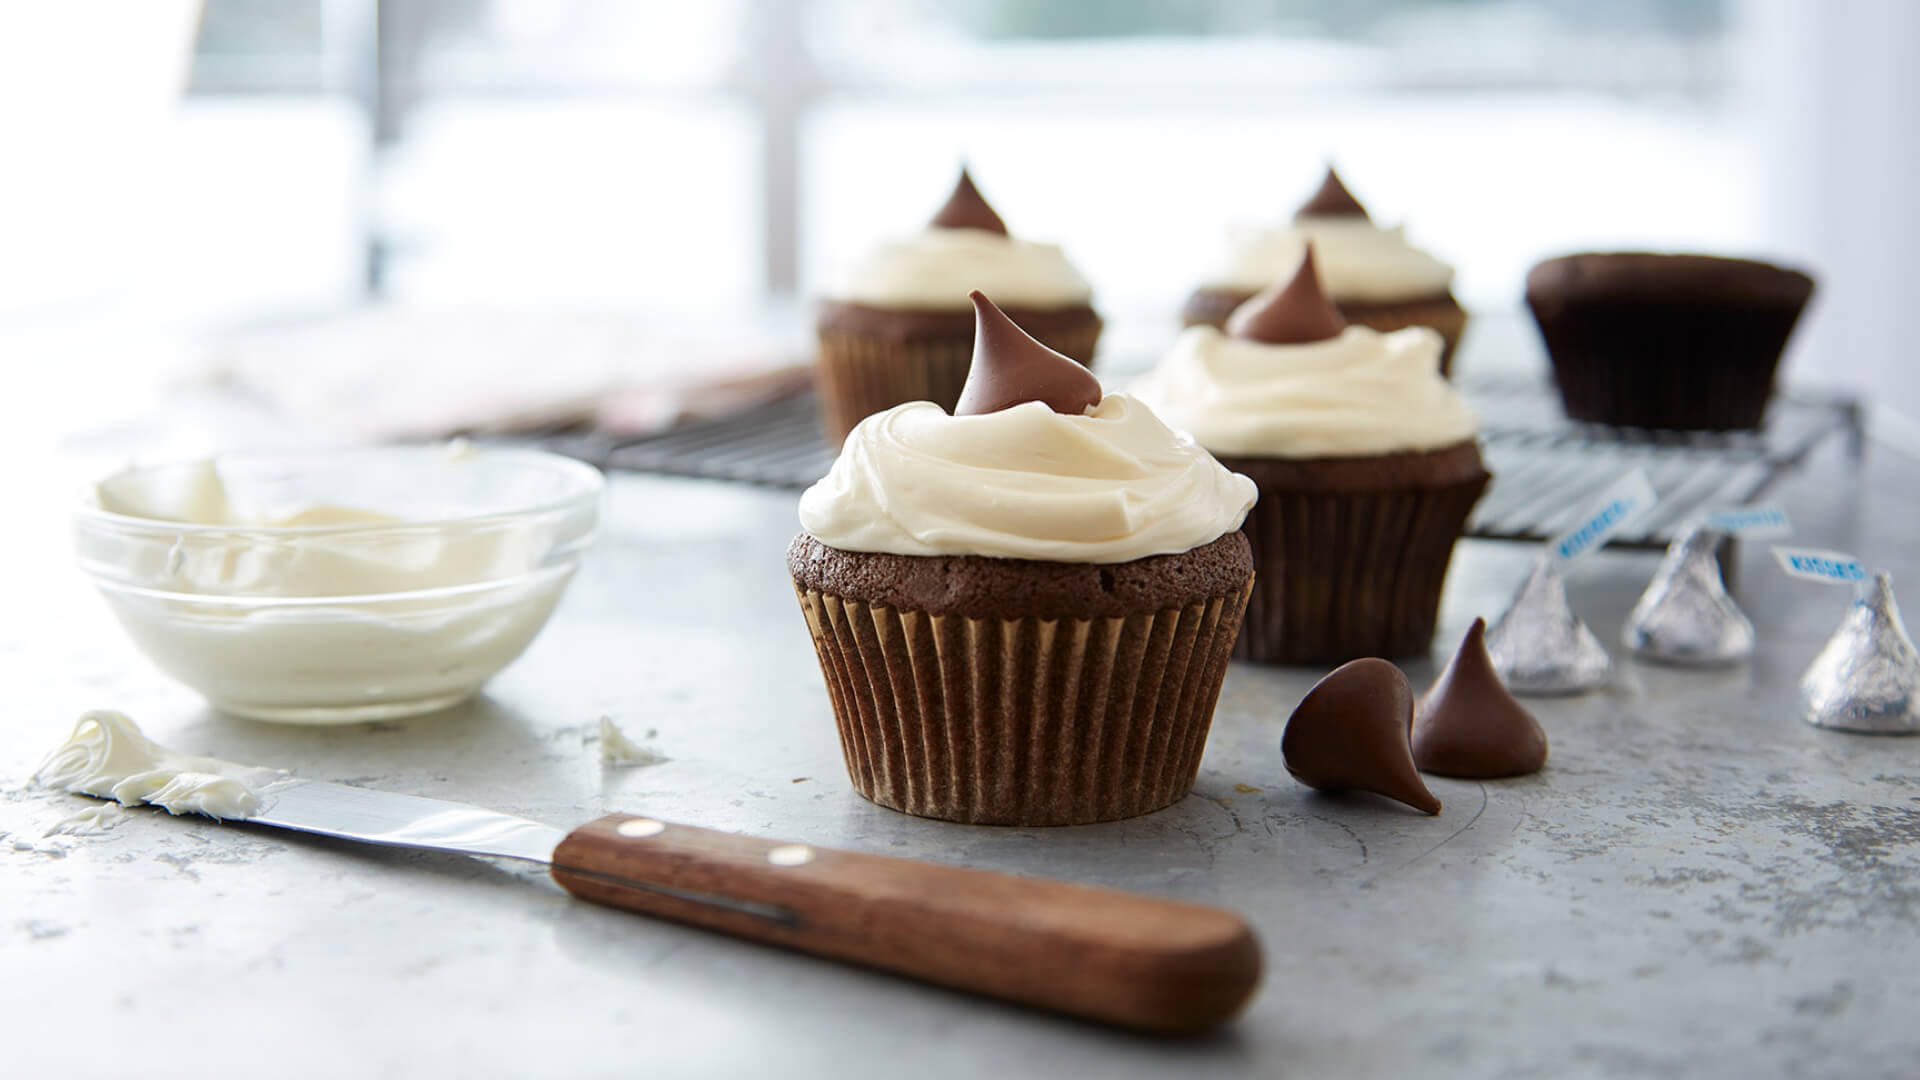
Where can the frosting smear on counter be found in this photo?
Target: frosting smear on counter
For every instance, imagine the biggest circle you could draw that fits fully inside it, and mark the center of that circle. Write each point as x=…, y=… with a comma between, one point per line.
x=89, y=821
x=619, y=751
x=108, y=756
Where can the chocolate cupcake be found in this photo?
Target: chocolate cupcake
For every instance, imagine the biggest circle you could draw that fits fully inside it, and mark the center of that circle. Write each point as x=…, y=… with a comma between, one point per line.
x=1366, y=460
x=1024, y=610
x=1684, y=342
x=1375, y=277
x=899, y=328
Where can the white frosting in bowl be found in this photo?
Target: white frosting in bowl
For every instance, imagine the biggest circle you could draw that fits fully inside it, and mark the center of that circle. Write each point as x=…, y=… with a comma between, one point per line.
x=1109, y=486
x=1357, y=259
x=935, y=269
x=338, y=587
x=1357, y=394
x=310, y=550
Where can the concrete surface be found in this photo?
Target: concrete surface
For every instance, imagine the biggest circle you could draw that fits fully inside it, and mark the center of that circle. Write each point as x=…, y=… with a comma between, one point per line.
x=1698, y=884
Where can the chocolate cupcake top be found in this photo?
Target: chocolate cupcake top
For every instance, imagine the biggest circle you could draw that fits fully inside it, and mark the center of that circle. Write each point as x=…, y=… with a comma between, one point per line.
x=1038, y=465
x=1359, y=260
x=965, y=247
x=1642, y=276
x=1291, y=380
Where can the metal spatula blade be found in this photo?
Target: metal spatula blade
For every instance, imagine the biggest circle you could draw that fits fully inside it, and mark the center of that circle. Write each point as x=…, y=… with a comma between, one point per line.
x=383, y=817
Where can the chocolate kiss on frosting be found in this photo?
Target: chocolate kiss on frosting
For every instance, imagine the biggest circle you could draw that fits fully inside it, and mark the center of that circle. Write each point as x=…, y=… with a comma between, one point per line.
x=967, y=209
x=1470, y=726
x=1291, y=314
x=1351, y=733
x=1010, y=368
x=1332, y=200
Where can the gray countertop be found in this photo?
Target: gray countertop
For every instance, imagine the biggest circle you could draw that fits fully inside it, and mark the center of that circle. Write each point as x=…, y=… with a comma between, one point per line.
x=1697, y=885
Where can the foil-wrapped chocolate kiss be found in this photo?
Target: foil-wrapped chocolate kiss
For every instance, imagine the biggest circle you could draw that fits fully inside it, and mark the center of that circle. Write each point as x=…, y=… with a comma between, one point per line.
x=1539, y=646
x=1867, y=677
x=1685, y=616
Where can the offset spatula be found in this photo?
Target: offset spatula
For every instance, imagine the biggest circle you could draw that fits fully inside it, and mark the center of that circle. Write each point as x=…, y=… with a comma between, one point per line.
x=1105, y=955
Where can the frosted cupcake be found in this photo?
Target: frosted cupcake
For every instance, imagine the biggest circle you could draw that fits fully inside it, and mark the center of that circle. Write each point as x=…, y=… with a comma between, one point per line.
x=1366, y=459
x=899, y=326
x=1375, y=277
x=1024, y=610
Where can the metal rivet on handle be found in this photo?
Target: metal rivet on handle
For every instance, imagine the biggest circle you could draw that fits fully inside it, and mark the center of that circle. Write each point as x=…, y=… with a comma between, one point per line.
x=790, y=855
x=640, y=826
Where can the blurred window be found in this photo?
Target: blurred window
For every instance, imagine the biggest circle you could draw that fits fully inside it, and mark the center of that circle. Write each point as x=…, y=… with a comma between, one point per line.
x=1135, y=132
x=702, y=155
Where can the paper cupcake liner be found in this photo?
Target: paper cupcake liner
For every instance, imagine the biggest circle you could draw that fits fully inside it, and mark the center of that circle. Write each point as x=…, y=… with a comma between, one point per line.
x=859, y=374
x=1687, y=367
x=1343, y=575
x=1022, y=721
x=1210, y=307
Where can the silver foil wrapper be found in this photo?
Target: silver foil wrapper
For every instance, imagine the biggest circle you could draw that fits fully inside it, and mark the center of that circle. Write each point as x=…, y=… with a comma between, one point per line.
x=1867, y=677
x=1540, y=646
x=1686, y=616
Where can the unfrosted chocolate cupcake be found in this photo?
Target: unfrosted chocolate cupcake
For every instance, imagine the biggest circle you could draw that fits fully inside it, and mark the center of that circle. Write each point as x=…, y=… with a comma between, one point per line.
x=1024, y=610
x=1366, y=460
x=1686, y=342
x=899, y=327
x=1374, y=276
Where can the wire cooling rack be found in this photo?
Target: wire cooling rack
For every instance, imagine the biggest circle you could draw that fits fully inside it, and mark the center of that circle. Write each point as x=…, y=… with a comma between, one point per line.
x=1546, y=469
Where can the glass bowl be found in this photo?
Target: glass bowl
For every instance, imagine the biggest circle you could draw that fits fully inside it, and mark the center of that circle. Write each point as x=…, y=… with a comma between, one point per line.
x=390, y=581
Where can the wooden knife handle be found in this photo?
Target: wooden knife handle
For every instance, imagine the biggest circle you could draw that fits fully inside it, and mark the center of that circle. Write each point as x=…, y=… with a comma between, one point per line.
x=1105, y=955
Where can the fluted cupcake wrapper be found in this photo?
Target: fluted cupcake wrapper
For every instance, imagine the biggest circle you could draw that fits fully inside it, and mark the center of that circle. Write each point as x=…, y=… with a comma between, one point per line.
x=1682, y=367
x=861, y=374
x=1344, y=575
x=1022, y=721
x=1210, y=307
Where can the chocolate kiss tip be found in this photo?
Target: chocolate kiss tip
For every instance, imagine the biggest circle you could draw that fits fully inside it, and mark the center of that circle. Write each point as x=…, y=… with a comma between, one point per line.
x=1470, y=726
x=1292, y=314
x=1011, y=368
x=1351, y=732
x=966, y=208
x=1332, y=200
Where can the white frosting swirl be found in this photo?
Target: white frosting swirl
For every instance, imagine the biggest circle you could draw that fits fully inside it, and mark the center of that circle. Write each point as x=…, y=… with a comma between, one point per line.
x=108, y=756
x=935, y=269
x=1357, y=260
x=1109, y=486
x=1358, y=394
